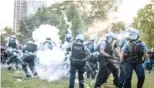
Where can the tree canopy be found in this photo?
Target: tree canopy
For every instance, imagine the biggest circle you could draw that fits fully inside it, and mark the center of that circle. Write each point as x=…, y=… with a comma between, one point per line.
x=79, y=13
x=145, y=23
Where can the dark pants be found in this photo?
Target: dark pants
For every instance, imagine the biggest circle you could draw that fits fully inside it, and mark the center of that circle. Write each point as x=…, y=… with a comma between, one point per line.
x=3, y=58
x=105, y=66
x=125, y=79
x=14, y=60
x=29, y=61
x=90, y=69
x=73, y=69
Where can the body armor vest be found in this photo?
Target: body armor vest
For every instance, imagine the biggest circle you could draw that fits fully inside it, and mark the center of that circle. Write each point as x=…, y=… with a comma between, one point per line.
x=12, y=44
x=108, y=49
x=135, y=51
x=78, y=51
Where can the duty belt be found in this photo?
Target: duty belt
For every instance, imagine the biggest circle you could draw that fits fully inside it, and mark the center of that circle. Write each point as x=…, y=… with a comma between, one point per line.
x=79, y=60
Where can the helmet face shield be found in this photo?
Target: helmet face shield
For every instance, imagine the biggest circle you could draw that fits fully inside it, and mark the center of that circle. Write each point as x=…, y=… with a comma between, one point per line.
x=133, y=36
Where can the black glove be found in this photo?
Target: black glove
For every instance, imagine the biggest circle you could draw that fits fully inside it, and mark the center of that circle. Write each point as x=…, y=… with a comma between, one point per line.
x=111, y=57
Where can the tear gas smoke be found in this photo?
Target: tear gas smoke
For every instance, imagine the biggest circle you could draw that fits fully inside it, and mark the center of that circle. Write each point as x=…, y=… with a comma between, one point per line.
x=46, y=31
x=66, y=21
x=50, y=66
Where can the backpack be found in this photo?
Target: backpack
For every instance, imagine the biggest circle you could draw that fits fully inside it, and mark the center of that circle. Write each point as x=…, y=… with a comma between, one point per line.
x=135, y=50
x=12, y=43
x=30, y=47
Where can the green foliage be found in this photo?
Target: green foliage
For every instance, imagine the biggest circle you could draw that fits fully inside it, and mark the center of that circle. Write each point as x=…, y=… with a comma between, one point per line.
x=77, y=14
x=116, y=27
x=5, y=33
x=145, y=23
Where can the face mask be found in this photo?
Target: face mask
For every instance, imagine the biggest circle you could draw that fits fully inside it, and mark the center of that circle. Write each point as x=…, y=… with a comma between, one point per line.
x=110, y=40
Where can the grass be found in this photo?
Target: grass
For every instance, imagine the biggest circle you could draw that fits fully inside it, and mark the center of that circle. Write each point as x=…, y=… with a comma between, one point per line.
x=9, y=80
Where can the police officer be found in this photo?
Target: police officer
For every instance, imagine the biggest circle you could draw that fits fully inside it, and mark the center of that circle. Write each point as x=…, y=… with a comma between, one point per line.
x=91, y=64
x=3, y=55
x=68, y=37
x=29, y=51
x=79, y=55
x=122, y=66
x=105, y=62
x=12, y=42
x=12, y=45
x=132, y=53
x=48, y=44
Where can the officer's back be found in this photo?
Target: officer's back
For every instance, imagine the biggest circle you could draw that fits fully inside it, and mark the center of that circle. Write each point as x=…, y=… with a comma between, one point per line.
x=30, y=47
x=12, y=43
x=78, y=50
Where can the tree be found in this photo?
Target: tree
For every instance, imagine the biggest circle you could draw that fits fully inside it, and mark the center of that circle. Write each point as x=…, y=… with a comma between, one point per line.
x=145, y=23
x=5, y=33
x=116, y=27
x=77, y=14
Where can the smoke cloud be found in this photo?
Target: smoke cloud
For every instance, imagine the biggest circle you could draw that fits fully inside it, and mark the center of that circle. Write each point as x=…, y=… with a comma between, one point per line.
x=50, y=66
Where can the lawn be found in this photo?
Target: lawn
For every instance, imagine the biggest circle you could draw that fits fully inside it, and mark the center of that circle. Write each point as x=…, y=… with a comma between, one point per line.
x=9, y=80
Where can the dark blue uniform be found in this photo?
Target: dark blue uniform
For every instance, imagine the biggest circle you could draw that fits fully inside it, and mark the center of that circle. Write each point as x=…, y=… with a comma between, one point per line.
x=29, y=59
x=133, y=53
x=77, y=63
x=12, y=43
x=91, y=65
x=105, y=64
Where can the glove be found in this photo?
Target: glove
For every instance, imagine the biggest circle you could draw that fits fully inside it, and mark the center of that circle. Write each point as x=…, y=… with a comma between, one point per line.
x=83, y=60
x=111, y=57
x=95, y=54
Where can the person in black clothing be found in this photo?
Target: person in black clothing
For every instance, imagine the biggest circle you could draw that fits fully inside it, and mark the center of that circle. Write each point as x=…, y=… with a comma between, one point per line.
x=79, y=55
x=29, y=50
x=12, y=52
x=12, y=42
x=91, y=64
x=3, y=55
x=105, y=62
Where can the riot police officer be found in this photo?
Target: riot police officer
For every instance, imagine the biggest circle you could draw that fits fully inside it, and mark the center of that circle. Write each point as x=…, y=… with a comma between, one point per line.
x=105, y=62
x=132, y=53
x=68, y=37
x=12, y=46
x=79, y=54
x=48, y=44
x=91, y=64
x=12, y=42
x=29, y=51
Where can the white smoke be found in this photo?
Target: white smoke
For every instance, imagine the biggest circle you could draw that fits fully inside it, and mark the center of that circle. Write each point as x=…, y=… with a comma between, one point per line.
x=66, y=21
x=46, y=31
x=50, y=65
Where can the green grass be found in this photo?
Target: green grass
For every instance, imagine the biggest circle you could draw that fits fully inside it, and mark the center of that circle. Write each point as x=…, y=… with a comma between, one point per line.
x=9, y=80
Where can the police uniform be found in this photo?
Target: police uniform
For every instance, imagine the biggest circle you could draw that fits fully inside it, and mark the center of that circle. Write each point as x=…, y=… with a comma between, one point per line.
x=29, y=60
x=133, y=53
x=105, y=64
x=77, y=63
x=12, y=43
x=122, y=67
x=68, y=37
x=91, y=65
